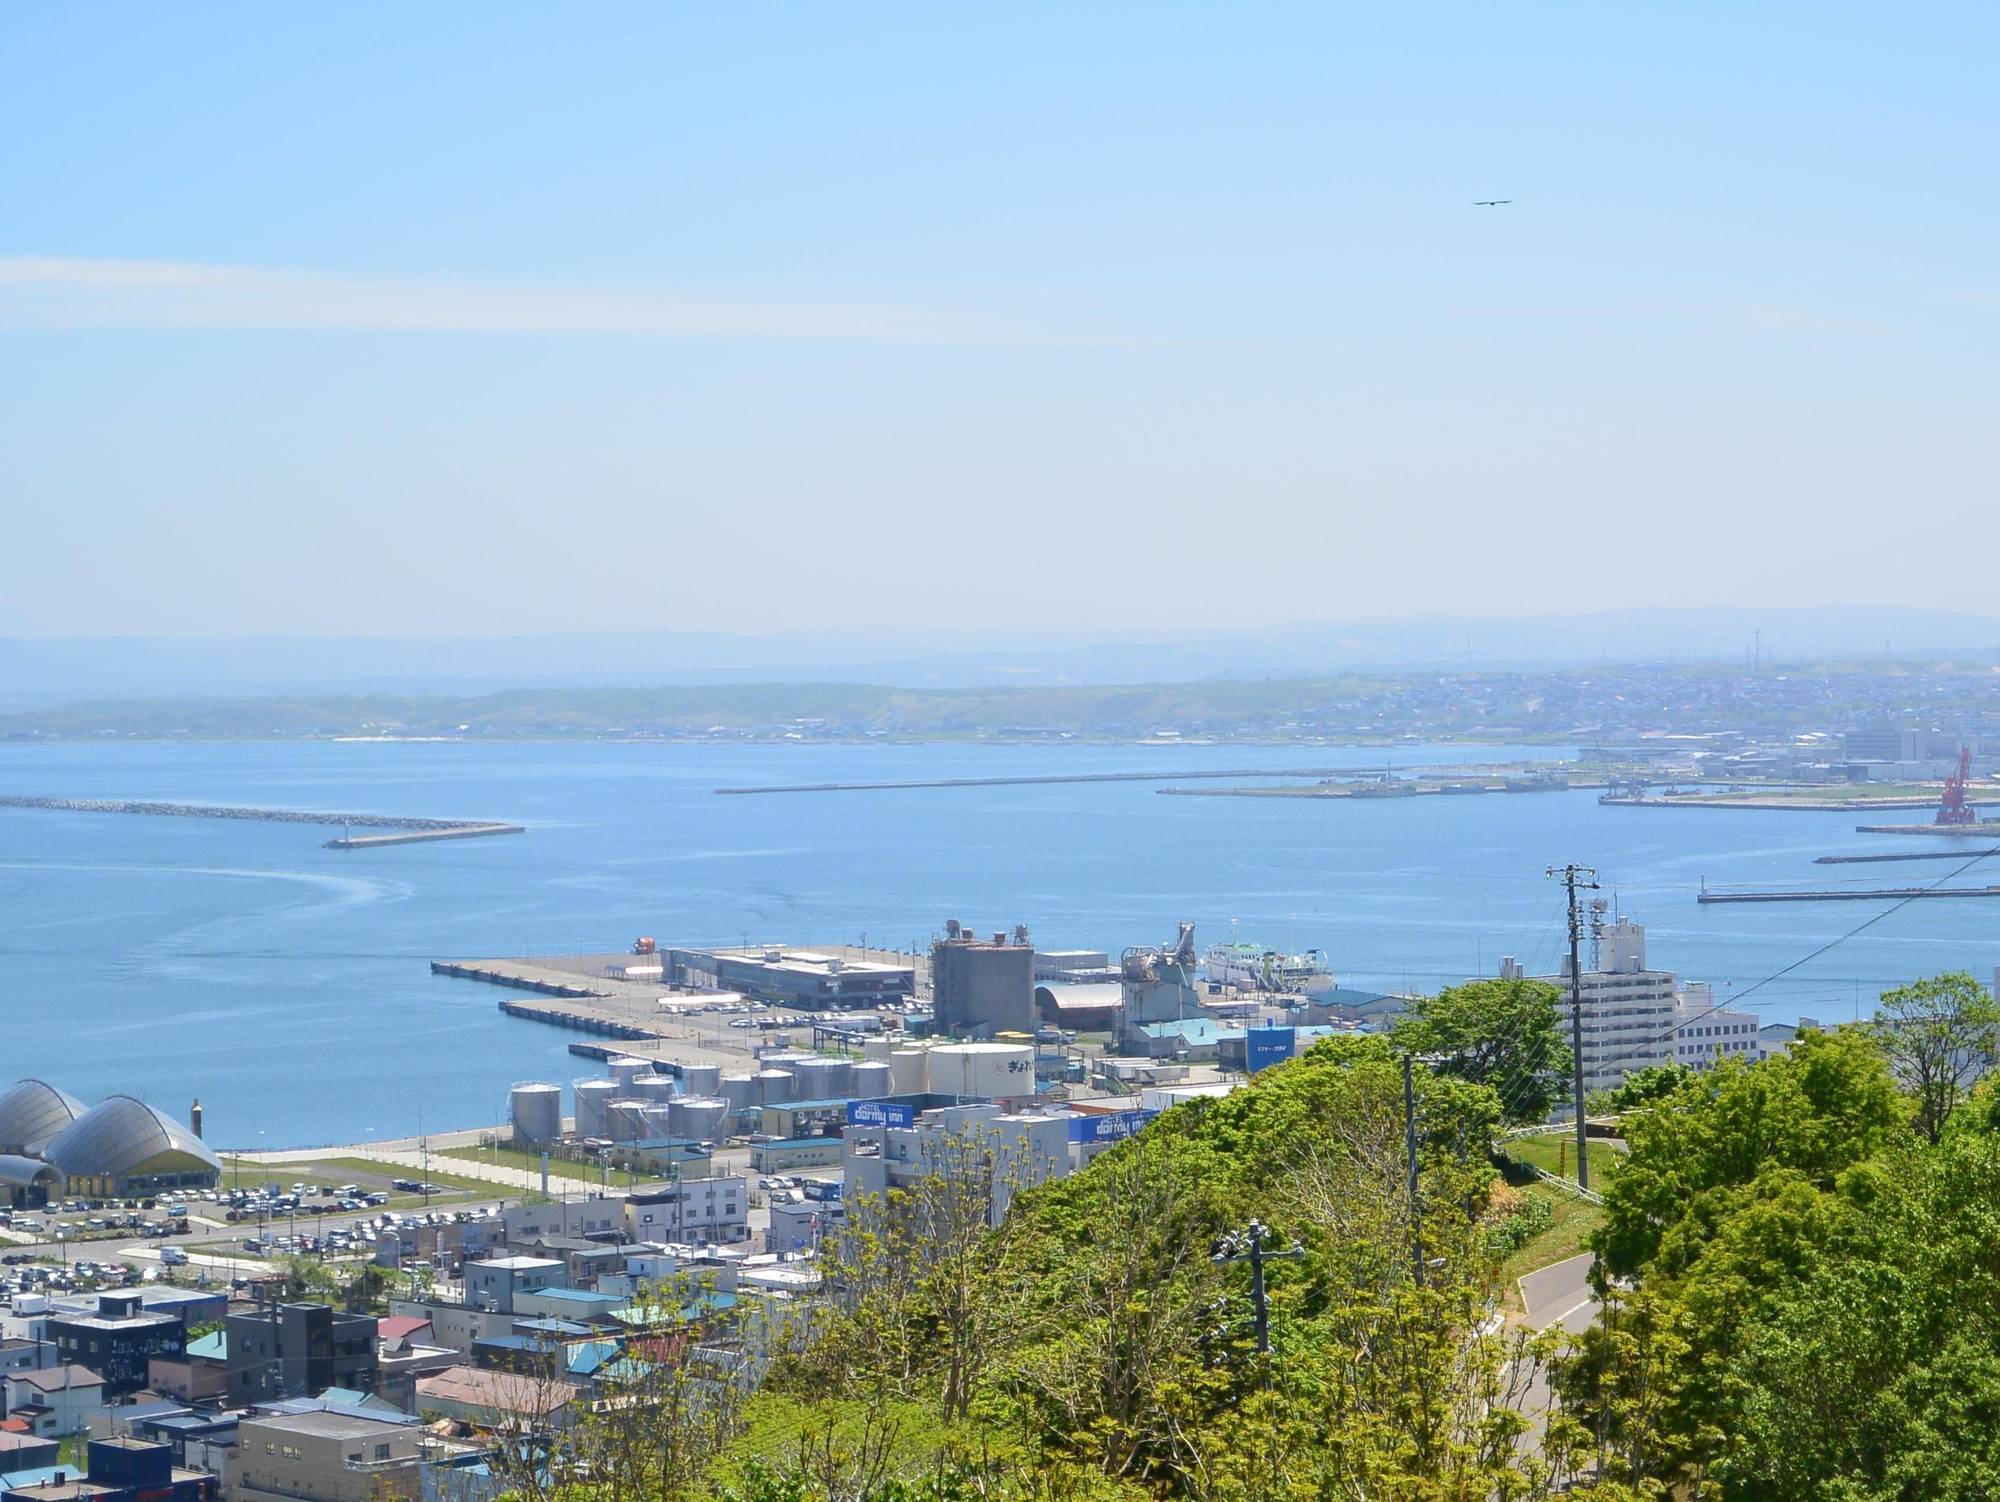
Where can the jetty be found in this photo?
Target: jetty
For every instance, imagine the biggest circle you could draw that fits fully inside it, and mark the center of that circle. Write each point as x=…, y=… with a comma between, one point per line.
x=1987, y=829
x=403, y=829
x=1838, y=894
x=418, y=836
x=1903, y=855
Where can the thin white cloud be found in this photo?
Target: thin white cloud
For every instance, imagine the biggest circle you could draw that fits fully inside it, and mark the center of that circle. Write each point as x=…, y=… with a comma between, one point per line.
x=54, y=292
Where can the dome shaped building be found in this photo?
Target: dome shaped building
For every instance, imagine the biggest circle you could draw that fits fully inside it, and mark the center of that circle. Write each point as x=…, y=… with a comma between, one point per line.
x=121, y=1147
x=32, y=1114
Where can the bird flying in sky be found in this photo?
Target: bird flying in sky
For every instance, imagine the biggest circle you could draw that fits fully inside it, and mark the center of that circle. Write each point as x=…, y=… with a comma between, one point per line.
x=1489, y=203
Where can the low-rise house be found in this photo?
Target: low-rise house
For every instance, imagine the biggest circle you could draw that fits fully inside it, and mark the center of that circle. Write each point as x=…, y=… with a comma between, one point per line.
x=498, y=1402
x=330, y=1455
x=121, y=1469
x=56, y=1400
x=23, y=1452
x=18, y=1354
x=493, y=1284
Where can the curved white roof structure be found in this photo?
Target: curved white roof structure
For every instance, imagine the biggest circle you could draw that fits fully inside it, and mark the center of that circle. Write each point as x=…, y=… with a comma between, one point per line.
x=32, y=1114
x=122, y=1138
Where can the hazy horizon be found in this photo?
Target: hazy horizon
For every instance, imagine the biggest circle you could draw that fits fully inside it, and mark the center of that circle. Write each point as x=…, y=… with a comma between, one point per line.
x=404, y=323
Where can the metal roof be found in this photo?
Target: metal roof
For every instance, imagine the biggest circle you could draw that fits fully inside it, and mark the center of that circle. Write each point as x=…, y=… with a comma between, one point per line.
x=122, y=1135
x=32, y=1113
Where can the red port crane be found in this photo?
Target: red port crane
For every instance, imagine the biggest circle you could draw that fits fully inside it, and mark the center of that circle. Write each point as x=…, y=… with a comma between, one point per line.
x=1954, y=809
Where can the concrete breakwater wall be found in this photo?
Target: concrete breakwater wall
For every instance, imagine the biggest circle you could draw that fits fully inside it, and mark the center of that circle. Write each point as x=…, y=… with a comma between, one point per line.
x=405, y=823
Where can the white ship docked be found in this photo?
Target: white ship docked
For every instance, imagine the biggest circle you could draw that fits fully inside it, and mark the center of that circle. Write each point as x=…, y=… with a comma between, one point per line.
x=1251, y=967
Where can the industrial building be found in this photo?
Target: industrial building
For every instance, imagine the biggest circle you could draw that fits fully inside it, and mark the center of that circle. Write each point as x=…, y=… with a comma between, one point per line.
x=121, y=1148
x=792, y=977
x=980, y=987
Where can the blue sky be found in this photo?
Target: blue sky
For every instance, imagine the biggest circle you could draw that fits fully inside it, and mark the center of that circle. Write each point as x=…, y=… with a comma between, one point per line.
x=751, y=318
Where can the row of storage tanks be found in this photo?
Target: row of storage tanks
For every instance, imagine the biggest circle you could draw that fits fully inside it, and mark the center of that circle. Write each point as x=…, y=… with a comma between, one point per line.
x=638, y=1103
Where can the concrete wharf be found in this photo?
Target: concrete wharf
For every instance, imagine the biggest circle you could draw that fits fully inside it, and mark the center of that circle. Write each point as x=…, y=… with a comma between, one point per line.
x=405, y=829
x=515, y=977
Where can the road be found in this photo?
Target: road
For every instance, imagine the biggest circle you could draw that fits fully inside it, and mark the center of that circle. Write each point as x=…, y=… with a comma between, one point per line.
x=1558, y=1295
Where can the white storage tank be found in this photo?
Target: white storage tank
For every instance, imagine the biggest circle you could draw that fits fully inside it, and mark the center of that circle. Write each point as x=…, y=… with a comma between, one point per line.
x=740, y=1090
x=909, y=1068
x=659, y=1121
x=774, y=1087
x=873, y=1079
x=699, y=1119
x=625, y=1120
x=982, y=1071
x=876, y=1049
x=659, y=1088
x=626, y=1070
x=593, y=1099
x=819, y=1079
x=701, y=1079
x=534, y=1110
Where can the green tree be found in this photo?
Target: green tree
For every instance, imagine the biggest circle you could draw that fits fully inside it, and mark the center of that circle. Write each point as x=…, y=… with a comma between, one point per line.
x=1819, y=1109
x=1941, y=1034
x=1644, y=1086
x=1505, y=1034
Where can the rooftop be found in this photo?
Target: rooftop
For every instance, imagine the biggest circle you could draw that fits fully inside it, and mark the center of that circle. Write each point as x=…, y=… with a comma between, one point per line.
x=338, y=1422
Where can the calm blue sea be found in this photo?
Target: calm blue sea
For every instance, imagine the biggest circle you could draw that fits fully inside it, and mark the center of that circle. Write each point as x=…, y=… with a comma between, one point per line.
x=287, y=985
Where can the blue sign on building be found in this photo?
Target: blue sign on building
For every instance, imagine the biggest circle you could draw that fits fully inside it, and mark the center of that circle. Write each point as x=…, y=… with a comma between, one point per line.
x=1265, y=1046
x=886, y=1113
x=1114, y=1126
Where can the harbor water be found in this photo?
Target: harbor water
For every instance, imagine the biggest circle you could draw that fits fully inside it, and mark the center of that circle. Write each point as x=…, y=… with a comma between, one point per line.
x=288, y=985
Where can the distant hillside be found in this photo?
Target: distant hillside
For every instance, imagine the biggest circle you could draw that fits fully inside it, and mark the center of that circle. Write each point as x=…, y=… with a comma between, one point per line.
x=46, y=673
x=1573, y=705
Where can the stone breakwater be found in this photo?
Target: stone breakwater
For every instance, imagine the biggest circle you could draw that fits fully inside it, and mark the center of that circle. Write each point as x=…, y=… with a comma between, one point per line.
x=408, y=825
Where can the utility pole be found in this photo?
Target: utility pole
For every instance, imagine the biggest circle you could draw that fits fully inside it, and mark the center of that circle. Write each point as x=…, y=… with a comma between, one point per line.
x=1248, y=1246
x=1410, y=1150
x=1574, y=877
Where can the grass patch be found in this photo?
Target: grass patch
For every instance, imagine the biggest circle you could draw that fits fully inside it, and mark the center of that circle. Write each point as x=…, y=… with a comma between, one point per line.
x=1575, y=1219
x=1556, y=1154
x=514, y=1157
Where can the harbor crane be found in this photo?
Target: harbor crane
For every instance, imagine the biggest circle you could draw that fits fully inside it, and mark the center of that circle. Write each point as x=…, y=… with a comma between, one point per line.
x=1954, y=810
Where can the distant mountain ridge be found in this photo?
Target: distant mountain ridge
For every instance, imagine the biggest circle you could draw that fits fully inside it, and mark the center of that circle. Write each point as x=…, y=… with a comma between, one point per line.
x=47, y=672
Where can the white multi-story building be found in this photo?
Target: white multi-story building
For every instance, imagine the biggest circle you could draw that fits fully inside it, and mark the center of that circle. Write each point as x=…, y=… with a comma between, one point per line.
x=1628, y=1010
x=701, y=1212
x=1029, y=1147
x=1705, y=1033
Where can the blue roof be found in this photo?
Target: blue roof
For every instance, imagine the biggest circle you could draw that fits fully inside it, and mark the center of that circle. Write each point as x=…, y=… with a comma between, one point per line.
x=833, y=1142
x=1193, y=1029
x=511, y=1342
x=552, y=1326
x=343, y=1397
x=578, y=1296
x=14, y=1481
x=213, y=1346
x=591, y=1355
